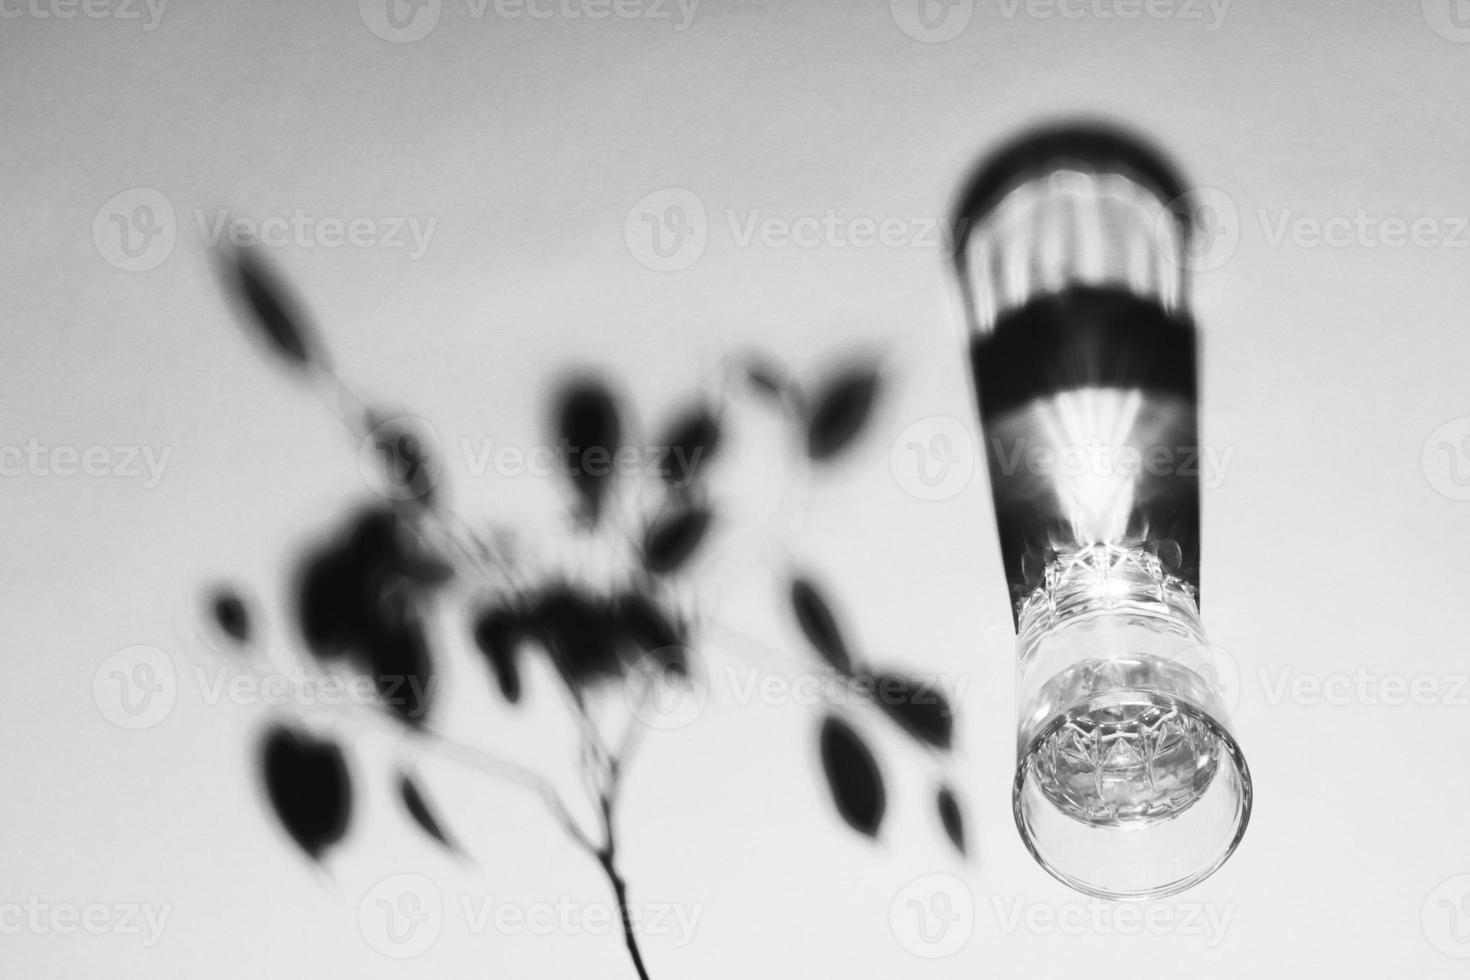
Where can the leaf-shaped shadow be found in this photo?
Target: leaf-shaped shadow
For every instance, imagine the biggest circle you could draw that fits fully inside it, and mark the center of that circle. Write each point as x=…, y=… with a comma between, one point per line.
x=359, y=598
x=309, y=788
x=402, y=669
x=916, y=703
x=852, y=776
x=819, y=624
x=589, y=431
x=230, y=615
x=270, y=307
x=580, y=632
x=498, y=634
x=839, y=412
x=672, y=539
x=690, y=443
x=418, y=808
x=340, y=584
x=769, y=380
x=652, y=632
x=950, y=815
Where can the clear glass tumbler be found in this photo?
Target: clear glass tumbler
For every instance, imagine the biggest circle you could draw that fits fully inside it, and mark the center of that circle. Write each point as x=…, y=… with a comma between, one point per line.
x=1072, y=248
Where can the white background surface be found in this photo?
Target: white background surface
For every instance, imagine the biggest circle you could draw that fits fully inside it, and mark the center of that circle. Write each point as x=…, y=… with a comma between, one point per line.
x=1335, y=538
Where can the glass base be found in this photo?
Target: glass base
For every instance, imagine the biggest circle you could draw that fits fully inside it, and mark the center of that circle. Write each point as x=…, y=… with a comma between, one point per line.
x=1126, y=764
x=1132, y=794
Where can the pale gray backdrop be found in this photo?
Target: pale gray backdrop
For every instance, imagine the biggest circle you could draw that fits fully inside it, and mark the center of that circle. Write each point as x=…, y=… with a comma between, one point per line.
x=1336, y=523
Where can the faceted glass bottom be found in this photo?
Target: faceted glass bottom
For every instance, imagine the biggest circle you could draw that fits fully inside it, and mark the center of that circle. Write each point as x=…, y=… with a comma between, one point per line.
x=1126, y=765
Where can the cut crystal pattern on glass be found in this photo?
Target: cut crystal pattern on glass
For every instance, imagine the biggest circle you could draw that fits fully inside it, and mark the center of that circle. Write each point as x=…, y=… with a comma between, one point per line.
x=1126, y=766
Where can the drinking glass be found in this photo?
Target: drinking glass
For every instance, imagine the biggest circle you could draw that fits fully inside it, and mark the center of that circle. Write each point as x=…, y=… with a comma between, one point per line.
x=1072, y=250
